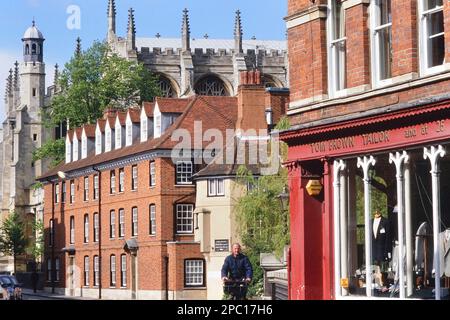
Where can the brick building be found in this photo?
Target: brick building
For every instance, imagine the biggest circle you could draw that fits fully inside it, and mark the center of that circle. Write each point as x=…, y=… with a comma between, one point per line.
x=120, y=212
x=369, y=111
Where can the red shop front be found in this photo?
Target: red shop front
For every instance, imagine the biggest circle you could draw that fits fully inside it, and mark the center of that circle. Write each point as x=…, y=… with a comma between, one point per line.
x=384, y=203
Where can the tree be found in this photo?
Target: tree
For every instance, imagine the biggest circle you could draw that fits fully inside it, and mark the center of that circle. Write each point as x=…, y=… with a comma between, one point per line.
x=13, y=241
x=37, y=248
x=263, y=224
x=92, y=81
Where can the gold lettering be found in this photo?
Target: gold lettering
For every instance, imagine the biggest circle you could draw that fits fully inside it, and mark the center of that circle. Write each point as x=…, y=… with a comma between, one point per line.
x=440, y=125
x=424, y=130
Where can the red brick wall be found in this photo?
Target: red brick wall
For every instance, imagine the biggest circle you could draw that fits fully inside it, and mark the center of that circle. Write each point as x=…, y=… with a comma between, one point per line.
x=178, y=253
x=358, y=46
x=447, y=29
x=308, y=59
x=404, y=37
x=152, y=249
x=295, y=6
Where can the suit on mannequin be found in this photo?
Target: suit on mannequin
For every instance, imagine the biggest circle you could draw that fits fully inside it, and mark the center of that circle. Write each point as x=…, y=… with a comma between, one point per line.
x=380, y=238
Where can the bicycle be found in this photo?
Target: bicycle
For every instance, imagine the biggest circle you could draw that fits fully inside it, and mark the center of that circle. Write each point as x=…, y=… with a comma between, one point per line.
x=236, y=289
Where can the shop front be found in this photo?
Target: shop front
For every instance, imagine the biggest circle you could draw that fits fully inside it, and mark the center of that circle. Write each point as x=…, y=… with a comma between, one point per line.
x=380, y=225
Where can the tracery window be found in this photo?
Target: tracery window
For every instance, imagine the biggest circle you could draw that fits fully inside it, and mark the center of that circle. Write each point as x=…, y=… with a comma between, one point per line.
x=211, y=86
x=166, y=88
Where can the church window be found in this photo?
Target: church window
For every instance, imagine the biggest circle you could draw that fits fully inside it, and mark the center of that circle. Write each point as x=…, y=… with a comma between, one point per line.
x=34, y=137
x=33, y=48
x=211, y=86
x=166, y=88
x=27, y=49
x=34, y=92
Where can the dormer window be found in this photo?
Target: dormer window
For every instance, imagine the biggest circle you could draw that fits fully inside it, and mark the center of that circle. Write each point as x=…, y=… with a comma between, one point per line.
x=68, y=150
x=83, y=146
x=118, y=137
x=108, y=137
x=158, y=132
x=75, y=148
x=129, y=139
x=144, y=128
x=98, y=141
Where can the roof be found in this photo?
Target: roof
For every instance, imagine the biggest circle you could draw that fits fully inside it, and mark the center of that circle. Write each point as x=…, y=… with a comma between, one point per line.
x=227, y=44
x=90, y=130
x=218, y=167
x=102, y=124
x=215, y=112
x=79, y=132
x=135, y=115
x=170, y=105
x=148, y=108
x=33, y=33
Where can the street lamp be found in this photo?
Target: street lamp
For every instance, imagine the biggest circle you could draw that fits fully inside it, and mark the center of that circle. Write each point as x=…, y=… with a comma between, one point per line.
x=284, y=199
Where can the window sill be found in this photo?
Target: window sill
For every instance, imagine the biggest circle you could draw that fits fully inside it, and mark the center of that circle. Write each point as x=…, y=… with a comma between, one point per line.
x=195, y=288
x=184, y=185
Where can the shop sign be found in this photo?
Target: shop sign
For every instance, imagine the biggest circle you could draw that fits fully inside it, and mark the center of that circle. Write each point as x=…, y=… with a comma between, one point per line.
x=222, y=245
x=344, y=283
x=314, y=187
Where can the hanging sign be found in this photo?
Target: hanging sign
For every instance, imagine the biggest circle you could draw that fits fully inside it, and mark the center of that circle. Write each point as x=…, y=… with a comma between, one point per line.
x=314, y=187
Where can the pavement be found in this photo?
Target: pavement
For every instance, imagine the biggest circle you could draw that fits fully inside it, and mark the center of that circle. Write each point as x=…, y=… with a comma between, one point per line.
x=42, y=295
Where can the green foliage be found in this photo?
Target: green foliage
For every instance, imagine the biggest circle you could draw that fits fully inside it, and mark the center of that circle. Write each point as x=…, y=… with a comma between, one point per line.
x=283, y=124
x=91, y=82
x=13, y=241
x=36, y=249
x=53, y=149
x=263, y=225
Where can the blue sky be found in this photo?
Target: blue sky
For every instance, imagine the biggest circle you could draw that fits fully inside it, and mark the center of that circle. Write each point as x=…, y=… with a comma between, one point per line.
x=261, y=18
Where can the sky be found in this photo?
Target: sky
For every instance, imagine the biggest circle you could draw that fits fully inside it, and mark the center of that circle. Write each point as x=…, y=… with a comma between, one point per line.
x=57, y=20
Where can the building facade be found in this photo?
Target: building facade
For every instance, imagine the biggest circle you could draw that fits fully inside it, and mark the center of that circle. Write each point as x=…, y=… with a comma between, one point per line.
x=370, y=132
x=218, y=188
x=22, y=133
x=205, y=66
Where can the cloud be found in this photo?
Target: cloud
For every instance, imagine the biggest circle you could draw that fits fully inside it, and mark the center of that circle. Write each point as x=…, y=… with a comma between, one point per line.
x=7, y=60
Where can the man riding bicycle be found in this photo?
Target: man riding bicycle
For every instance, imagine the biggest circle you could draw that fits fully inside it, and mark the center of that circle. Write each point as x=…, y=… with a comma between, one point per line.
x=237, y=270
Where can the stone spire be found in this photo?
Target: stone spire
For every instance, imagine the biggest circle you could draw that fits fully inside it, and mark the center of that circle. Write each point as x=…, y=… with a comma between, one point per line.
x=78, y=47
x=111, y=20
x=186, y=32
x=56, y=77
x=9, y=86
x=131, y=34
x=238, y=33
x=16, y=76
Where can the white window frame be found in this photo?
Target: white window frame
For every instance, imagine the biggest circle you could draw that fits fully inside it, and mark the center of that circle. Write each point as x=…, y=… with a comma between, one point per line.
x=63, y=192
x=68, y=150
x=98, y=141
x=216, y=187
x=184, y=177
x=83, y=145
x=121, y=180
x=72, y=230
x=134, y=222
x=158, y=126
x=96, y=227
x=194, y=271
x=86, y=271
x=121, y=223
x=75, y=146
x=336, y=80
x=86, y=228
x=112, y=224
x=424, y=48
x=144, y=127
x=375, y=45
x=72, y=191
x=96, y=187
x=108, y=137
x=123, y=271
x=129, y=134
x=185, y=218
x=112, y=274
x=152, y=173
x=152, y=219
x=134, y=178
x=86, y=189
x=96, y=271
x=112, y=182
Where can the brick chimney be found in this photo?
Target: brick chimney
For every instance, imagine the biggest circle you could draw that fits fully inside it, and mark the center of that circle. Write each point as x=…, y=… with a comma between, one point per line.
x=251, y=102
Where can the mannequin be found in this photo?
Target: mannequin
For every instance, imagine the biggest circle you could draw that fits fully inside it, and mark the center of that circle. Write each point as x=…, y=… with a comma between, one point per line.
x=380, y=238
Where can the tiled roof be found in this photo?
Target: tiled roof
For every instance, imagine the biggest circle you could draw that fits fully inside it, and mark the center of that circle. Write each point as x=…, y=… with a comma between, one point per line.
x=78, y=131
x=135, y=115
x=169, y=105
x=214, y=112
x=89, y=129
x=122, y=118
x=148, y=108
x=70, y=135
x=101, y=123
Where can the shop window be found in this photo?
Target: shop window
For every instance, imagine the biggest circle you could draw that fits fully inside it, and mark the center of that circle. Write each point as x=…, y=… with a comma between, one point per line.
x=384, y=209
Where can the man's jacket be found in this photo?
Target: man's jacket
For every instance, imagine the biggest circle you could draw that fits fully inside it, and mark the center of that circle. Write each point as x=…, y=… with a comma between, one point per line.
x=237, y=268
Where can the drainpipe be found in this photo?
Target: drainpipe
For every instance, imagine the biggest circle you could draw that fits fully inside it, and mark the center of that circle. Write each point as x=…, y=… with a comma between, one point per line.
x=166, y=262
x=99, y=231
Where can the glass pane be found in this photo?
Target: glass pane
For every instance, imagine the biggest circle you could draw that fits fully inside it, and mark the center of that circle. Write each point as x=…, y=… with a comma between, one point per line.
x=385, y=51
x=385, y=12
x=339, y=20
x=431, y=4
